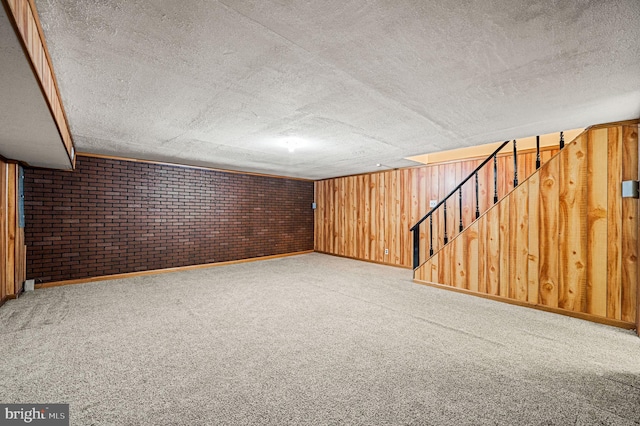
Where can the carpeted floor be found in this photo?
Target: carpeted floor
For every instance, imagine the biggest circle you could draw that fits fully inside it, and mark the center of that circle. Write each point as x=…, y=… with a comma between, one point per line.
x=309, y=339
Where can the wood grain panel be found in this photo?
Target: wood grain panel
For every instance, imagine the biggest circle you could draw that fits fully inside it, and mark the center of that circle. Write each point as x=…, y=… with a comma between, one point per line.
x=434, y=184
x=372, y=212
x=533, y=266
x=485, y=183
x=614, y=223
x=11, y=227
x=392, y=220
x=566, y=231
x=597, y=223
x=459, y=265
x=548, y=232
x=423, y=207
x=519, y=242
x=341, y=215
x=572, y=238
x=3, y=230
x=373, y=216
x=482, y=262
x=505, y=248
x=468, y=193
x=12, y=248
x=380, y=222
x=472, y=257
x=629, y=273
x=363, y=223
x=447, y=259
x=433, y=268
x=493, y=250
x=405, y=213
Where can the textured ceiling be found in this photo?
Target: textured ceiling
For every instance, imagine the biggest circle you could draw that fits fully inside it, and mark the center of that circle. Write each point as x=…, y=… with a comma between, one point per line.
x=350, y=83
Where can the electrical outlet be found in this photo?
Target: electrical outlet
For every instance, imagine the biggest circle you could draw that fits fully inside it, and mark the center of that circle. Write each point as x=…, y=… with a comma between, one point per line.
x=386, y=251
x=433, y=203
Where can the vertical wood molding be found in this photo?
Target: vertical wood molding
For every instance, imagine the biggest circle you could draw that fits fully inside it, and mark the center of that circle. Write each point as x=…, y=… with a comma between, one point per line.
x=614, y=219
x=637, y=128
x=568, y=241
x=629, y=248
x=3, y=229
x=12, y=248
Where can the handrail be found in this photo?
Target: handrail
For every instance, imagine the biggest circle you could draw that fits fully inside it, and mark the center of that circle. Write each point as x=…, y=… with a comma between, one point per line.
x=457, y=188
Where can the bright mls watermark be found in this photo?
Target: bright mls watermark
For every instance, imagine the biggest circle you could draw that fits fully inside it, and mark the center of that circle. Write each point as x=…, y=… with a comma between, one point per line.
x=34, y=414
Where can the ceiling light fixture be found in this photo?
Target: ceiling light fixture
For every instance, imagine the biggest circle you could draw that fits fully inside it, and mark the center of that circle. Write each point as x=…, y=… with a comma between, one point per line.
x=386, y=166
x=291, y=146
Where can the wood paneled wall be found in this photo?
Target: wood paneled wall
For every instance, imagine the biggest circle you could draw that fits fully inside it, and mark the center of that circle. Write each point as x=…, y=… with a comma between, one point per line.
x=565, y=239
x=12, y=248
x=361, y=216
x=30, y=32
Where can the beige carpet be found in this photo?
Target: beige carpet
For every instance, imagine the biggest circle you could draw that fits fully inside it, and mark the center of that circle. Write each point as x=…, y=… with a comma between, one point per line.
x=309, y=339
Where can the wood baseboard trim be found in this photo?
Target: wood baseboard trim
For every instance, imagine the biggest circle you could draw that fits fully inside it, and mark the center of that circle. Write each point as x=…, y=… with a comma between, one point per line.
x=364, y=260
x=579, y=315
x=9, y=297
x=165, y=270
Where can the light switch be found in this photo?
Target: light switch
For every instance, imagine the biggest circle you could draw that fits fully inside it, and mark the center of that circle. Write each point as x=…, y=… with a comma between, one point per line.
x=630, y=189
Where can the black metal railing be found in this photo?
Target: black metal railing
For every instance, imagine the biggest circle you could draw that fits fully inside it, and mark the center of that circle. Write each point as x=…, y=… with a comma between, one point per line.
x=458, y=189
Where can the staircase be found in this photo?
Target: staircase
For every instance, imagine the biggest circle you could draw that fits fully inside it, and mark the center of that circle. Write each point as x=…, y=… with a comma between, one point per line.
x=563, y=240
x=446, y=208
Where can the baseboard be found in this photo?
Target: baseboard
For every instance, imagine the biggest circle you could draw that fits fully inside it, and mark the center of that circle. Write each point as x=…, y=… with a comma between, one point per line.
x=164, y=271
x=579, y=315
x=10, y=297
x=364, y=260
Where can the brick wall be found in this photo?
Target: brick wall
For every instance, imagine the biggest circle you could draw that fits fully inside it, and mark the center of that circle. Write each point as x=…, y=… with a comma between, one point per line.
x=115, y=216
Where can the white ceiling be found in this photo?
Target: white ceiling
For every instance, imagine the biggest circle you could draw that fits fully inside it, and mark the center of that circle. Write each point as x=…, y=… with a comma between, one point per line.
x=27, y=130
x=352, y=83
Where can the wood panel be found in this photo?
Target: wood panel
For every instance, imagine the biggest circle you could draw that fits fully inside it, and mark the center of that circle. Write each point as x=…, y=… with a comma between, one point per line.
x=504, y=281
x=519, y=242
x=30, y=32
x=459, y=266
x=572, y=227
x=405, y=217
x=629, y=283
x=533, y=257
x=492, y=233
x=11, y=220
x=3, y=230
x=12, y=248
x=597, y=223
x=361, y=216
x=564, y=240
x=614, y=223
x=471, y=257
x=483, y=263
x=548, y=232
